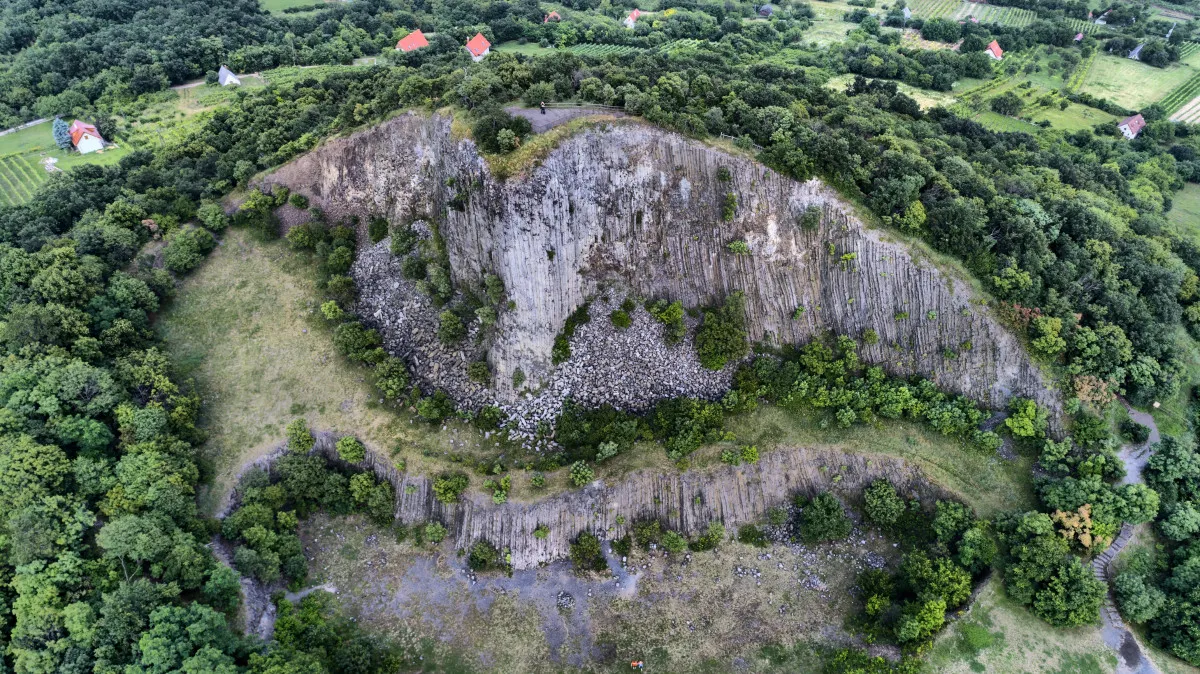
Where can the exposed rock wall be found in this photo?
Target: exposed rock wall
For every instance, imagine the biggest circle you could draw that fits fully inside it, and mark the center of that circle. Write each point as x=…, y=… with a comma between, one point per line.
x=629, y=205
x=684, y=502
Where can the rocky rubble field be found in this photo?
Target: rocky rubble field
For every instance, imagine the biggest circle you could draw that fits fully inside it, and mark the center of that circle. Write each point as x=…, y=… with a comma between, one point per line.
x=630, y=369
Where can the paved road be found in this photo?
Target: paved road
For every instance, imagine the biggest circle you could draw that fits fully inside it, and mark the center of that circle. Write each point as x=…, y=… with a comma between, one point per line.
x=556, y=116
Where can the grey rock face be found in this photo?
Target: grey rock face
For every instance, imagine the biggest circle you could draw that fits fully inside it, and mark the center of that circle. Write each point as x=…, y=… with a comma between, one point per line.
x=633, y=207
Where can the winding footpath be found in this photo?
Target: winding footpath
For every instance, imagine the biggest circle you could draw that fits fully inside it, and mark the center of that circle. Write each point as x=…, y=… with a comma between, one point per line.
x=1131, y=656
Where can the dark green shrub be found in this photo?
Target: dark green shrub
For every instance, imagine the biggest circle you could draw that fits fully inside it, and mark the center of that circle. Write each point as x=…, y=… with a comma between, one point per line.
x=448, y=487
x=298, y=200
x=670, y=314
x=391, y=378
x=485, y=557
x=450, y=328
x=620, y=318
x=752, y=535
x=561, y=351
x=299, y=438
x=883, y=505
x=646, y=532
x=377, y=229
x=722, y=336
x=711, y=539
x=436, y=407
x=586, y=554
x=1134, y=432
x=479, y=372
x=823, y=519
x=351, y=450
x=674, y=542
x=186, y=249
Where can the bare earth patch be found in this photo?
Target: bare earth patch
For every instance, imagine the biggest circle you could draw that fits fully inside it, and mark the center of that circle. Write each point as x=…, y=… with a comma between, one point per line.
x=679, y=612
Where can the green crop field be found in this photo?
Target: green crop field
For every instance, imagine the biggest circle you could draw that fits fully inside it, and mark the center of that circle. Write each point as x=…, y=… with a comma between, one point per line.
x=1132, y=84
x=1182, y=104
x=1005, y=16
x=529, y=48
x=960, y=11
x=1085, y=27
x=599, y=50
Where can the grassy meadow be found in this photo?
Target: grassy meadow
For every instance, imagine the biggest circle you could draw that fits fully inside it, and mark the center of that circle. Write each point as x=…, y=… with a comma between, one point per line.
x=22, y=154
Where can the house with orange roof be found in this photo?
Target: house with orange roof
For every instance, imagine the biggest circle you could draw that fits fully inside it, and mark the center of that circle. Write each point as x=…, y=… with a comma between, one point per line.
x=479, y=47
x=552, y=16
x=631, y=20
x=413, y=41
x=993, y=50
x=85, y=137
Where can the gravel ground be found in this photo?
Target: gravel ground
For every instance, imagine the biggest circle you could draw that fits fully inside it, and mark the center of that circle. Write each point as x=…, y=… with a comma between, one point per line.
x=630, y=369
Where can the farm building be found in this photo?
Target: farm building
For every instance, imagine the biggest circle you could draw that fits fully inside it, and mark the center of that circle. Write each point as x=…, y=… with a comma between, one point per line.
x=1136, y=52
x=907, y=14
x=225, y=77
x=413, y=41
x=1079, y=37
x=85, y=137
x=552, y=16
x=993, y=50
x=766, y=11
x=631, y=20
x=479, y=47
x=1130, y=127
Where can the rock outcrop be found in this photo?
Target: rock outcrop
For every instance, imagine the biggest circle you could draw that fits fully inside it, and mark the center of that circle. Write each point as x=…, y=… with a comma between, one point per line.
x=685, y=502
x=629, y=206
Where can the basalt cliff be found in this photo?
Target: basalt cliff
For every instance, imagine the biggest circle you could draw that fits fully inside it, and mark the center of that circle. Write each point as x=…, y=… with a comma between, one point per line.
x=625, y=208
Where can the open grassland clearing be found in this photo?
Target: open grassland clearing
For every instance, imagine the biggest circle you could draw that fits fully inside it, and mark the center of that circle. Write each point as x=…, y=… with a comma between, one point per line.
x=1005, y=16
x=23, y=152
x=528, y=49
x=998, y=636
x=1133, y=84
x=277, y=6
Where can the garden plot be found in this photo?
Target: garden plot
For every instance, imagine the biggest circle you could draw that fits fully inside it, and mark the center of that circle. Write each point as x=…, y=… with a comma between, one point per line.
x=1134, y=85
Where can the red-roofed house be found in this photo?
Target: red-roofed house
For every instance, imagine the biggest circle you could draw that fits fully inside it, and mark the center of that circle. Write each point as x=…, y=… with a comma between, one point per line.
x=479, y=47
x=993, y=50
x=631, y=20
x=552, y=16
x=1130, y=127
x=1078, y=37
x=85, y=137
x=412, y=41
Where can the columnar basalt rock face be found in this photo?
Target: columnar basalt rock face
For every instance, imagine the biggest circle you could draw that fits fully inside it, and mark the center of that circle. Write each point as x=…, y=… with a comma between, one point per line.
x=685, y=502
x=632, y=207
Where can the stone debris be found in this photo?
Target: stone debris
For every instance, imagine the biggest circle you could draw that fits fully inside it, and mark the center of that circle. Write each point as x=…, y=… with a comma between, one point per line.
x=630, y=369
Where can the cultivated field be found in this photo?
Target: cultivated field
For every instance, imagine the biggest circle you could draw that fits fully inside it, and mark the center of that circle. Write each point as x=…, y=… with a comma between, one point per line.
x=1132, y=84
x=960, y=11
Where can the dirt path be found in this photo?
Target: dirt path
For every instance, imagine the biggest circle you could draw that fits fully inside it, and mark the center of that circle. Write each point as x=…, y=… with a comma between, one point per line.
x=1132, y=658
x=556, y=116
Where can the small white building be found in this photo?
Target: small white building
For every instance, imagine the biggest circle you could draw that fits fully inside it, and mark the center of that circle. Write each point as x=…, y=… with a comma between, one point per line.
x=85, y=137
x=479, y=47
x=1130, y=127
x=225, y=77
x=907, y=14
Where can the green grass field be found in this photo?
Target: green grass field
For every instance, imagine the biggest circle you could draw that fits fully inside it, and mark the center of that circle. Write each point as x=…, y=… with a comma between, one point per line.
x=278, y=6
x=999, y=636
x=529, y=48
x=1132, y=84
x=21, y=156
x=997, y=122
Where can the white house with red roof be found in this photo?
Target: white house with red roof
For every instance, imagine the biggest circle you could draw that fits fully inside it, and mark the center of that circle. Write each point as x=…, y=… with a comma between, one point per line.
x=631, y=20
x=993, y=50
x=412, y=42
x=85, y=137
x=552, y=16
x=479, y=47
x=1130, y=127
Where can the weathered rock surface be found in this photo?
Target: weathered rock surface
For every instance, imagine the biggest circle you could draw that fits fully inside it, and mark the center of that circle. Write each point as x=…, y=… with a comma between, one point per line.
x=635, y=207
x=685, y=502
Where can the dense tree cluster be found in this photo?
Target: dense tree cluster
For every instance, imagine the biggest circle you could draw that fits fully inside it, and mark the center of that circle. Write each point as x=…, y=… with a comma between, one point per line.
x=66, y=57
